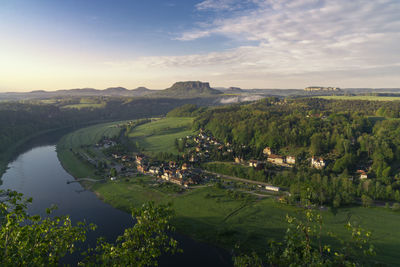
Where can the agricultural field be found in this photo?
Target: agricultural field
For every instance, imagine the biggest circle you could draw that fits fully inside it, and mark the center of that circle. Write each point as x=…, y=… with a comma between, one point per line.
x=159, y=135
x=210, y=215
x=361, y=97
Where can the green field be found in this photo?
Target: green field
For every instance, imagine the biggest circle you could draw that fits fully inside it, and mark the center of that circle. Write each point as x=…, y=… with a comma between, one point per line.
x=73, y=142
x=208, y=214
x=87, y=103
x=80, y=106
x=160, y=135
x=361, y=97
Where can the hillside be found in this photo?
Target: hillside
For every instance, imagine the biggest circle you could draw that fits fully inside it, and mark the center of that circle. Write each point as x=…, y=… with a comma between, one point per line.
x=189, y=89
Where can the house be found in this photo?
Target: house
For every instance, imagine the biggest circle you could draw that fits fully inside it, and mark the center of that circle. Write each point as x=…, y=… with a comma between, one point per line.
x=140, y=159
x=318, y=163
x=290, y=159
x=238, y=160
x=168, y=174
x=363, y=174
x=185, y=166
x=175, y=180
x=276, y=159
x=113, y=178
x=267, y=151
x=255, y=163
x=125, y=158
x=272, y=188
x=154, y=170
x=193, y=158
x=172, y=164
x=116, y=156
x=143, y=168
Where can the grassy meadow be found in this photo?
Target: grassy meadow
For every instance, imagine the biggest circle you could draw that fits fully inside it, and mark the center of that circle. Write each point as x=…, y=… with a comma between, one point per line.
x=87, y=103
x=210, y=215
x=74, y=141
x=361, y=97
x=159, y=135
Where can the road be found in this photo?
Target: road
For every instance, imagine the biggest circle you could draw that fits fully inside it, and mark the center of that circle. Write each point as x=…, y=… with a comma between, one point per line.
x=237, y=179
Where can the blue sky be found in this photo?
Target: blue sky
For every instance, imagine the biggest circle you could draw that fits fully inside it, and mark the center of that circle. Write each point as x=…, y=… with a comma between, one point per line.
x=50, y=45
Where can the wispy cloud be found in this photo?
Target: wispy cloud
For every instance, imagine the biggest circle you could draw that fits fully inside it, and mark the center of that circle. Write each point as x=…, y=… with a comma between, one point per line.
x=309, y=41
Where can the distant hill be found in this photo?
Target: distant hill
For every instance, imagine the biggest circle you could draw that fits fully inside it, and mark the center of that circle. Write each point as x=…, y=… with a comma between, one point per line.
x=116, y=91
x=189, y=89
x=234, y=90
x=142, y=91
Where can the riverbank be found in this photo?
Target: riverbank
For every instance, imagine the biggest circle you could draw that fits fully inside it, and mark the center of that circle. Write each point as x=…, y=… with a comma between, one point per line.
x=15, y=149
x=215, y=216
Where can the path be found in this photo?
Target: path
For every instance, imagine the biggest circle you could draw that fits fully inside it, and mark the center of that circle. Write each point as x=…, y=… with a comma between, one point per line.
x=85, y=179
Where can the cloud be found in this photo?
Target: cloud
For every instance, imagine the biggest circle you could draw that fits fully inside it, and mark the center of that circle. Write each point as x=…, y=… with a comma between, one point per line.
x=297, y=43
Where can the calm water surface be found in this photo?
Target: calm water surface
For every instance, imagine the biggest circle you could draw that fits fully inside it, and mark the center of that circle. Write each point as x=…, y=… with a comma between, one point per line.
x=37, y=173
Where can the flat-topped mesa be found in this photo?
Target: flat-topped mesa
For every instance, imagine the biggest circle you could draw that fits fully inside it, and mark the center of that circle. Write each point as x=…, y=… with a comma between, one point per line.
x=190, y=88
x=321, y=88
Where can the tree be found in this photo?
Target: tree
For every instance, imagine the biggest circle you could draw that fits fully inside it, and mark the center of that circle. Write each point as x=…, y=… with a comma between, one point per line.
x=31, y=240
x=367, y=201
x=303, y=245
x=113, y=172
x=140, y=245
x=317, y=144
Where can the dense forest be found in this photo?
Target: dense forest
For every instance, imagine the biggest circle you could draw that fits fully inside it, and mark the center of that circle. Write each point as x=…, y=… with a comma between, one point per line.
x=350, y=136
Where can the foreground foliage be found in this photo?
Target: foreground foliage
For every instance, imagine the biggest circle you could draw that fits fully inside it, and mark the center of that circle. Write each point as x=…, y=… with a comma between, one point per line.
x=33, y=240
x=30, y=240
x=303, y=245
x=140, y=245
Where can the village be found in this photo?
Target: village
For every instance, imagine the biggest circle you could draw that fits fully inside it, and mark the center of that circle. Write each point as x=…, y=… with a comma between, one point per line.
x=200, y=148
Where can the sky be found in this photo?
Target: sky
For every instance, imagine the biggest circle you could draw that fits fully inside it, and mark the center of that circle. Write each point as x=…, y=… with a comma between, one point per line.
x=63, y=44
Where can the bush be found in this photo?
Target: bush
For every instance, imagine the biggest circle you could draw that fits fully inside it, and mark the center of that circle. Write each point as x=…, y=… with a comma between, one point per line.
x=396, y=207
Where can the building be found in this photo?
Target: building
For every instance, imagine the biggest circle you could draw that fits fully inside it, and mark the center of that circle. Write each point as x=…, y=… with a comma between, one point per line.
x=238, y=160
x=267, y=151
x=290, y=159
x=363, y=174
x=318, y=163
x=276, y=159
x=168, y=174
x=142, y=168
x=140, y=159
x=185, y=166
x=154, y=170
x=272, y=188
x=175, y=180
x=256, y=164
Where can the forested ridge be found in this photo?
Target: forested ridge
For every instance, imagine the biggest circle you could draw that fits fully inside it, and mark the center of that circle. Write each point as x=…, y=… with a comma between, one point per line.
x=349, y=135
x=20, y=120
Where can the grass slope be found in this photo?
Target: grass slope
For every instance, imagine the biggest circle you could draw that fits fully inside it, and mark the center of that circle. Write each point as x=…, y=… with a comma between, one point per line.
x=73, y=142
x=208, y=214
x=160, y=135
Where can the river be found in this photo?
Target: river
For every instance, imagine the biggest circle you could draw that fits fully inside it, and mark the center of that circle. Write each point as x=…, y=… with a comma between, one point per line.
x=37, y=173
